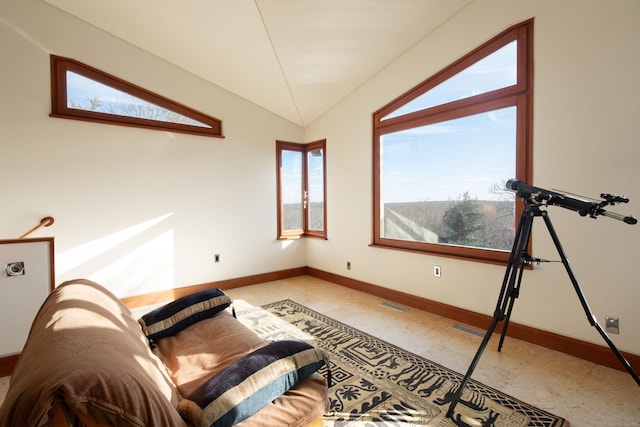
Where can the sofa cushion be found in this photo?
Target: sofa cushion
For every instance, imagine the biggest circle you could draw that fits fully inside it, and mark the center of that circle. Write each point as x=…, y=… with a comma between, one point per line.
x=197, y=353
x=204, y=349
x=173, y=317
x=246, y=386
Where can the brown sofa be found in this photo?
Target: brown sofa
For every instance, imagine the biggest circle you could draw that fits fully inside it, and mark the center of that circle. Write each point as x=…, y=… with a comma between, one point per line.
x=88, y=362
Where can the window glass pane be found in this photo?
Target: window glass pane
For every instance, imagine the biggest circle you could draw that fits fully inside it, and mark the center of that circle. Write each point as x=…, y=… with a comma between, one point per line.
x=444, y=183
x=87, y=94
x=292, y=196
x=493, y=72
x=315, y=165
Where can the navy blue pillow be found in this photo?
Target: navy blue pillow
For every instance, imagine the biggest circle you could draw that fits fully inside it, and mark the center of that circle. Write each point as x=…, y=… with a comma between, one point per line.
x=173, y=317
x=243, y=388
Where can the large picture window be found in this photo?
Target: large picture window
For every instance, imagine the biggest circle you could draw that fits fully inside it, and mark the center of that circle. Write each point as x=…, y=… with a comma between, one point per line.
x=444, y=150
x=301, y=183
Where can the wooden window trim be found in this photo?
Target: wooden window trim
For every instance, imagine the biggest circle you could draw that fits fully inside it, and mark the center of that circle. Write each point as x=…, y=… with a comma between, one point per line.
x=304, y=149
x=59, y=108
x=519, y=95
x=322, y=234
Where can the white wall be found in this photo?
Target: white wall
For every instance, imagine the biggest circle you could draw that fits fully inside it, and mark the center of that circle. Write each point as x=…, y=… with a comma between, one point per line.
x=136, y=210
x=586, y=109
x=142, y=211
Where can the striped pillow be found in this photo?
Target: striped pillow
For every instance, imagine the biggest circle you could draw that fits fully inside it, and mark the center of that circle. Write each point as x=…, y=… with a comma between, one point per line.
x=173, y=317
x=243, y=388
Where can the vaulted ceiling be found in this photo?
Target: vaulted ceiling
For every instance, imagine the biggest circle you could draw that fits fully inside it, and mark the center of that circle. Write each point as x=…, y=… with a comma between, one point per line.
x=296, y=58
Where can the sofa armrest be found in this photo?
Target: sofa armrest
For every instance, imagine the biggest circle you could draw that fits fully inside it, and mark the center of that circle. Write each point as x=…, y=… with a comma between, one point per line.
x=86, y=349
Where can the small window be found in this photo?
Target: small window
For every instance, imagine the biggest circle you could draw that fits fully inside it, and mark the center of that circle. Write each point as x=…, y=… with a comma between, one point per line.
x=444, y=150
x=81, y=92
x=301, y=183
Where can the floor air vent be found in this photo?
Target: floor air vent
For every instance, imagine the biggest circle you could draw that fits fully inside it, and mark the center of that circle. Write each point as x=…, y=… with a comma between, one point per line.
x=469, y=330
x=393, y=306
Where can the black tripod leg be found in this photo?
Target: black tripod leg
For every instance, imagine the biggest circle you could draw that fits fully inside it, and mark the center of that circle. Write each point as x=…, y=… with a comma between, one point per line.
x=516, y=294
x=472, y=367
x=619, y=355
x=523, y=244
x=590, y=316
x=506, y=295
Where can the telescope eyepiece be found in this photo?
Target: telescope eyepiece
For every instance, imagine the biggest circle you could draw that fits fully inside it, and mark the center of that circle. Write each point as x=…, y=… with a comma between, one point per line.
x=614, y=198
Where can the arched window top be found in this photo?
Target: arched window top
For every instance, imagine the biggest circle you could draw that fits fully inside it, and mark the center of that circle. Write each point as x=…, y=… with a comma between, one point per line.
x=82, y=92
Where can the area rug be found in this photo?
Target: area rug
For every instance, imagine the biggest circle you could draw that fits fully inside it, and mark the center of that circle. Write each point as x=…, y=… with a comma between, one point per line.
x=375, y=384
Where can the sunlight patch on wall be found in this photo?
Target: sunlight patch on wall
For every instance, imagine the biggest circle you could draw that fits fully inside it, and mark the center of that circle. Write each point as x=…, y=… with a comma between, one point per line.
x=147, y=269
x=286, y=243
x=74, y=257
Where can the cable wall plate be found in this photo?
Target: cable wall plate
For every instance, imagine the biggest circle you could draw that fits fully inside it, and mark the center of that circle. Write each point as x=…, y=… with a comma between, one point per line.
x=26, y=279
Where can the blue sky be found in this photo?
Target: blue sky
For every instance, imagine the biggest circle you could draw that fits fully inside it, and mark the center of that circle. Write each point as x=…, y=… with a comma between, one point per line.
x=292, y=177
x=440, y=162
x=471, y=154
x=81, y=89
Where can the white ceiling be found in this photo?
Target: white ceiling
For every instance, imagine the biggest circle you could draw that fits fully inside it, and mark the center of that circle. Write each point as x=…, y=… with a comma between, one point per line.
x=296, y=58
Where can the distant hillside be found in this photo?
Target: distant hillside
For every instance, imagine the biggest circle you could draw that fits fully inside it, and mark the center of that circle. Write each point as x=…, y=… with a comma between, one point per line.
x=292, y=216
x=423, y=222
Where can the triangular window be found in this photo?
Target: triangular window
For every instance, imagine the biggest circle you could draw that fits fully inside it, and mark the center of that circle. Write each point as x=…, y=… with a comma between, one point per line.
x=85, y=93
x=495, y=71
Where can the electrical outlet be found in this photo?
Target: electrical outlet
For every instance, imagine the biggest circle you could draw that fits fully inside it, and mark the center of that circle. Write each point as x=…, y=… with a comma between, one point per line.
x=216, y=258
x=612, y=324
x=437, y=271
x=348, y=265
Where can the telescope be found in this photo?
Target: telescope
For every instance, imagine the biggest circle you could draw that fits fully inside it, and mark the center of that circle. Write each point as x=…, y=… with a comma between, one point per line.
x=591, y=208
x=534, y=197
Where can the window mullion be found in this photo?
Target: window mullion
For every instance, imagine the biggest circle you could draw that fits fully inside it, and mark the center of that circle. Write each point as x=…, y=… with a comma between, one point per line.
x=451, y=111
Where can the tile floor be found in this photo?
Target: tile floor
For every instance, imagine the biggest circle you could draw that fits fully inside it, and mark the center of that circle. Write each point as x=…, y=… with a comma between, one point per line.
x=586, y=394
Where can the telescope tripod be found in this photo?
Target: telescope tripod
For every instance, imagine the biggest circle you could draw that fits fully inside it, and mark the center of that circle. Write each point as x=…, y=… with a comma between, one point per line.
x=511, y=289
